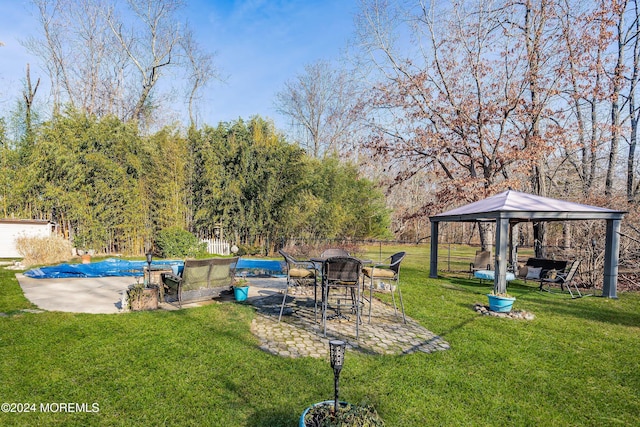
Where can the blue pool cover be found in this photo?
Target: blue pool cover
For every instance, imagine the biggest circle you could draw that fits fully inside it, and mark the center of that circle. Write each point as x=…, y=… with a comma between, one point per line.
x=106, y=268
x=117, y=267
x=252, y=267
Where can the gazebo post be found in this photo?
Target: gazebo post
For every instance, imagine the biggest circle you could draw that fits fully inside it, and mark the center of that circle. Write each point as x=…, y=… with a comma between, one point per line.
x=502, y=235
x=433, y=258
x=513, y=249
x=611, y=254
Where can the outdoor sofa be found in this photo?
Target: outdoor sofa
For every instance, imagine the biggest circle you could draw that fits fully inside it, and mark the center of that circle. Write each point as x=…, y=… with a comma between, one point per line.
x=201, y=279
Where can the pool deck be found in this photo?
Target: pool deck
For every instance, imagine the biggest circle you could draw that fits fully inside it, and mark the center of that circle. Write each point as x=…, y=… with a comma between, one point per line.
x=103, y=295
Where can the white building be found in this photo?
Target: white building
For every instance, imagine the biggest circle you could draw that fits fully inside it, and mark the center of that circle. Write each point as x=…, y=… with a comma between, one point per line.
x=10, y=229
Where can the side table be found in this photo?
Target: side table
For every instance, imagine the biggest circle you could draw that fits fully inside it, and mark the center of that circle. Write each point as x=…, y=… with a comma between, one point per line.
x=155, y=277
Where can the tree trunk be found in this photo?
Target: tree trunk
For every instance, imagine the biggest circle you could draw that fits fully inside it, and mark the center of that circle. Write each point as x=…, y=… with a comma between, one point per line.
x=633, y=114
x=539, y=229
x=615, y=107
x=484, y=229
x=566, y=235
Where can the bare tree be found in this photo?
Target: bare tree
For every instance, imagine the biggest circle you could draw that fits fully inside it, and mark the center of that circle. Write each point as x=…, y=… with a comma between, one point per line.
x=201, y=72
x=617, y=80
x=535, y=27
x=583, y=37
x=602, y=54
x=51, y=49
x=106, y=57
x=452, y=105
x=29, y=95
x=634, y=109
x=151, y=47
x=323, y=101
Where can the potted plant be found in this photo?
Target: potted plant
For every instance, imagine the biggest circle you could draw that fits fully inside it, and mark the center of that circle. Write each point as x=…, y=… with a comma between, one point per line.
x=241, y=289
x=141, y=297
x=500, y=302
x=324, y=414
x=334, y=412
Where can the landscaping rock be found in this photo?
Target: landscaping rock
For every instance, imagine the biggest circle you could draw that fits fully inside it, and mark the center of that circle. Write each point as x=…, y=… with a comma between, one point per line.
x=513, y=314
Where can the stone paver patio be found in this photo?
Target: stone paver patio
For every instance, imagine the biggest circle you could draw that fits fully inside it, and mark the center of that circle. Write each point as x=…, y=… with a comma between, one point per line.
x=299, y=335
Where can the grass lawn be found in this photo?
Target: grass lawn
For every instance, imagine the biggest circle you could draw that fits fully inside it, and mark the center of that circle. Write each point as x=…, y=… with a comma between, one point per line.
x=577, y=363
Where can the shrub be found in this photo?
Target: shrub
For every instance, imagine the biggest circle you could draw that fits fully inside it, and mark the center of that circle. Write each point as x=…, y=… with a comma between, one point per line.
x=248, y=250
x=43, y=250
x=176, y=242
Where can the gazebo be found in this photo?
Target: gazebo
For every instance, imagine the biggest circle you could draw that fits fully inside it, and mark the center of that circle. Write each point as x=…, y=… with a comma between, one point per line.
x=512, y=207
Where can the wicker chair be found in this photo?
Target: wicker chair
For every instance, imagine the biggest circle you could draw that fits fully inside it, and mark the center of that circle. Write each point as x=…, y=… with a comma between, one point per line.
x=341, y=272
x=390, y=272
x=299, y=273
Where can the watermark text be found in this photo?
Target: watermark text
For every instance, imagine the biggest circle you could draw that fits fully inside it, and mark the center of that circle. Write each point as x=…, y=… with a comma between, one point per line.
x=52, y=407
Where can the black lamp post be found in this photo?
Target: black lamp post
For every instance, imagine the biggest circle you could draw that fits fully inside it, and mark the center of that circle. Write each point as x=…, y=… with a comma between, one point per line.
x=336, y=352
x=149, y=259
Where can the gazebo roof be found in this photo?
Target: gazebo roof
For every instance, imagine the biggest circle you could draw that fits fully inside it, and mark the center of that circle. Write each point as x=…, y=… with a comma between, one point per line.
x=519, y=206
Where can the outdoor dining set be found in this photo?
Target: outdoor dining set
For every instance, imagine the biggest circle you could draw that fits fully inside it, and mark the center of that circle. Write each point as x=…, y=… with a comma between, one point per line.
x=343, y=280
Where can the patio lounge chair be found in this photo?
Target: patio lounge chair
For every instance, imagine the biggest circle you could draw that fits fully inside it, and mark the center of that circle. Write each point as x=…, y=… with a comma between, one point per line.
x=201, y=279
x=564, y=279
x=391, y=273
x=482, y=261
x=299, y=273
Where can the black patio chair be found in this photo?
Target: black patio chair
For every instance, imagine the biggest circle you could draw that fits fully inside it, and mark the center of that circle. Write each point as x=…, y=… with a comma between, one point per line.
x=341, y=272
x=390, y=272
x=299, y=272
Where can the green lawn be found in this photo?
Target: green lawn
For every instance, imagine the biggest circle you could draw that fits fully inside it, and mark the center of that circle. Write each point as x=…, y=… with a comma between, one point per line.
x=577, y=363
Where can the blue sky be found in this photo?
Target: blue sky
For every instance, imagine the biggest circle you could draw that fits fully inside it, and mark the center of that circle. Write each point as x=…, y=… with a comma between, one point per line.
x=259, y=44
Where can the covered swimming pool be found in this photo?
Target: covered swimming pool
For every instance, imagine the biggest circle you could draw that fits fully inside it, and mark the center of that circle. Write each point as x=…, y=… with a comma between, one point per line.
x=246, y=267
x=257, y=267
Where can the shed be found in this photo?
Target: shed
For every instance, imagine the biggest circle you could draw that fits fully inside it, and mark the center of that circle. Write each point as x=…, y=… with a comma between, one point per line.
x=511, y=207
x=10, y=229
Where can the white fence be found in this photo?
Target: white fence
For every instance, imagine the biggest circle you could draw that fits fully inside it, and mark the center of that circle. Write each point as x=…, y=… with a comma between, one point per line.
x=218, y=247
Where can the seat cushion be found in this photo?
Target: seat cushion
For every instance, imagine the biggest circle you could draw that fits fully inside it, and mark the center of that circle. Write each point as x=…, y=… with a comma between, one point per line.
x=300, y=273
x=533, y=273
x=382, y=273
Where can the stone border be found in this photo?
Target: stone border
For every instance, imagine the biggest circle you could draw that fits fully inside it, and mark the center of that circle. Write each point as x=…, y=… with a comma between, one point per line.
x=513, y=314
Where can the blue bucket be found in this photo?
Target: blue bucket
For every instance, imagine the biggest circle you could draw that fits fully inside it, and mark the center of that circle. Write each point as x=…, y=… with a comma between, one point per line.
x=241, y=292
x=500, y=304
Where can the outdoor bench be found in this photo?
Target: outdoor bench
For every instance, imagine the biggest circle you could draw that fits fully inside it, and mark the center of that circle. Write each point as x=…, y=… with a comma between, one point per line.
x=545, y=265
x=201, y=279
